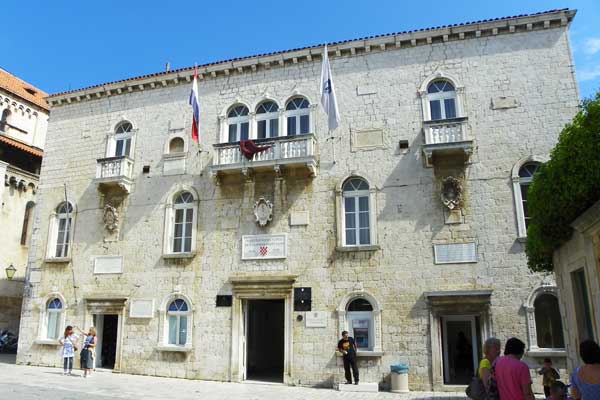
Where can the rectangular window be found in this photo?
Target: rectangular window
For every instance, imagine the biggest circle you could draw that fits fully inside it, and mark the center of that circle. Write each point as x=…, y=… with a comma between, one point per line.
x=350, y=220
x=25, y=229
x=52, y=325
x=177, y=329
x=304, y=125
x=244, y=134
x=450, y=108
x=62, y=238
x=291, y=126
x=274, y=127
x=436, y=110
x=261, y=127
x=233, y=133
x=583, y=313
x=363, y=219
x=123, y=147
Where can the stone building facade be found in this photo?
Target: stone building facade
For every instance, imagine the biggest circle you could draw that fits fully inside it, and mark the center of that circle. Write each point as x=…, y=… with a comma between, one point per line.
x=23, y=124
x=577, y=269
x=404, y=226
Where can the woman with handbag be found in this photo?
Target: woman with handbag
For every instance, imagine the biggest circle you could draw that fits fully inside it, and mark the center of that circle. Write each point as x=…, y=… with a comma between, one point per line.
x=483, y=387
x=87, y=351
x=69, y=347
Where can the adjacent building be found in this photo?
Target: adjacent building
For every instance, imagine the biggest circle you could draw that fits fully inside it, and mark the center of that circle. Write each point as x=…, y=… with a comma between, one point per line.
x=577, y=268
x=23, y=124
x=405, y=225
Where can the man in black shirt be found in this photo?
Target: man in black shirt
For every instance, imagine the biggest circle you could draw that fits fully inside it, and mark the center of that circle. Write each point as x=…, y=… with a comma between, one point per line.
x=347, y=347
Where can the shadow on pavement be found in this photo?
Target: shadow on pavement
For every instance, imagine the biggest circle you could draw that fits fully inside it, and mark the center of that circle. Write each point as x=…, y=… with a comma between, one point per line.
x=8, y=358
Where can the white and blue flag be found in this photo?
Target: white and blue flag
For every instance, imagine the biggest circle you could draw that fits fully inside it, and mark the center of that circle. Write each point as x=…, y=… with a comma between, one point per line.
x=328, y=100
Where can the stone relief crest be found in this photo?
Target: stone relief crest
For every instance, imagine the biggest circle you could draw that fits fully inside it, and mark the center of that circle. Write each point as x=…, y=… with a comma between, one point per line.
x=452, y=192
x=110, y=218
x=263, y=211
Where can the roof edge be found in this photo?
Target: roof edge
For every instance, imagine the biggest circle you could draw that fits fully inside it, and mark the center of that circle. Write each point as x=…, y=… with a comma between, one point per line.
x=462, y=31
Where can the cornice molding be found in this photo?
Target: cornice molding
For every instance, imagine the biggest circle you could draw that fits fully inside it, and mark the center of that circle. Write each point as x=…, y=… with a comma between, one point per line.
x=350, y=48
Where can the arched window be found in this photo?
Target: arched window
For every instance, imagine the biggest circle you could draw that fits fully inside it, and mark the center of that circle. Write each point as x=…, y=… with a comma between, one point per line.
x=267, y=120
x=63, y=232
x=526, y=173
x=123, y=138
x=54, y=309
x=181, y=220
x=27, y=222
x=442, y=100
x=298, y=116
x=176, y=145
x=548, y=322
x=183, y=227
x=356, y=213
x=360, y=323
x=177, y=316
x=238, y=121
x=4, y=119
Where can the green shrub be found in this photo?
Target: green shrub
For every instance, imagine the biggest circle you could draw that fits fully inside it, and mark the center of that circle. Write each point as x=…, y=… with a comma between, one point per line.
x=565, y=186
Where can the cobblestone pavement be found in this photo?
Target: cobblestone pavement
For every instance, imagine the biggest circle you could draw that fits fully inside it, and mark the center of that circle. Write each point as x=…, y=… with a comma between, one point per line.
x=29, y=383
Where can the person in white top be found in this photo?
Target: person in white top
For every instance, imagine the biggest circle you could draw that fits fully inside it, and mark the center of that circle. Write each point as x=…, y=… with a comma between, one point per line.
x=69, y=343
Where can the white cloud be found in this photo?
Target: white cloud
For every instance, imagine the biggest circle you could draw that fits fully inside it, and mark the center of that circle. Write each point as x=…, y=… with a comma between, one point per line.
x=592, y=46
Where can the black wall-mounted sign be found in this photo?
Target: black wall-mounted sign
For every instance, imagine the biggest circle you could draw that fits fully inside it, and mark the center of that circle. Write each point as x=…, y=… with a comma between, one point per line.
x=224, y=300
x=302, y=299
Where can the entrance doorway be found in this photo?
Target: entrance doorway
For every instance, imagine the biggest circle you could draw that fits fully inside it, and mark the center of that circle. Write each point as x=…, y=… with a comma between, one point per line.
x=264, y=334
x=460, y=346
x=106, y=349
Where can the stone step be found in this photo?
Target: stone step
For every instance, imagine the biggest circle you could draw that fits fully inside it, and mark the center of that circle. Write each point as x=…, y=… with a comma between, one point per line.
x=361, y=387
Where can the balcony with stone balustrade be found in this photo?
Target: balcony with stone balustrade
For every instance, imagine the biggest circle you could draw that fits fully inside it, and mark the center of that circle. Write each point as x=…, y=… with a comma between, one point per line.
x=446, y=139
x=114, y=173
x=286, y=153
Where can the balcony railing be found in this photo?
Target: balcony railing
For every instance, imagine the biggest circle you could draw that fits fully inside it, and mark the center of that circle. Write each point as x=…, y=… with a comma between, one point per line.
x=444, y=132
x=290, y=151
x=446, y=138
x=115, y=171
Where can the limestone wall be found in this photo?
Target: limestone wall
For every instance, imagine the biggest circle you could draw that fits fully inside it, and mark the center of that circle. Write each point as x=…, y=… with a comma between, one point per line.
x=533, y=67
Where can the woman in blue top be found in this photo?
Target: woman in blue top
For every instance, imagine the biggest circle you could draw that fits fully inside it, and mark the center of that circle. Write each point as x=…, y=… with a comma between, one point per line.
x=87, y=351
x=585, y=381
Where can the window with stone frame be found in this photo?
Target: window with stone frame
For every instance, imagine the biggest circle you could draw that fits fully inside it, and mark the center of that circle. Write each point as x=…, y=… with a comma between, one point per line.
x=61, y=232
x=267, y=120
x=525, y=178
x=238, y=123
x=360, y=323
x=181, y=216
x=356, y=215
x=441, y=97
x=178, y=314
x=123, y=139
x=548, y=322
x=4, y=119
x=54, y=310
x=297, y=112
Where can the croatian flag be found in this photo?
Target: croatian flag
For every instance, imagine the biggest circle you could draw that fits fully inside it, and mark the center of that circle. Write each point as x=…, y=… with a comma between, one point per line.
x=195, y=107
x=328, y=100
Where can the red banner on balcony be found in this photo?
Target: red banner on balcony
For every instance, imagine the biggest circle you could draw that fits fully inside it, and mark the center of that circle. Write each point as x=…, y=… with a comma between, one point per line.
x=249, y=149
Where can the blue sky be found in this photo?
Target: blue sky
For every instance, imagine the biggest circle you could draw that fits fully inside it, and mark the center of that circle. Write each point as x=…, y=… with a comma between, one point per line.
x=60, y=45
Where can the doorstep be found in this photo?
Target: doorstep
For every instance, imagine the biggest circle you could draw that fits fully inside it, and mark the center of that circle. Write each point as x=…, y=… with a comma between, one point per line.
x=361, y=387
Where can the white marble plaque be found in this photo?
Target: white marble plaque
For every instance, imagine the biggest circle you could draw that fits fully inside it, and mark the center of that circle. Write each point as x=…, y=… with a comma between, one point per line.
x=264, y=247
x=298, y=218
x=455, y=253
x=316, y=319
x=108, y=264
x=141, y=308
x=175, y=166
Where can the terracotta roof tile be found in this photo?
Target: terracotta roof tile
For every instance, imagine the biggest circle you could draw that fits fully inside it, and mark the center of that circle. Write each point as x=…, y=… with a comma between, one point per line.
x=24, y=90
x=22, y=146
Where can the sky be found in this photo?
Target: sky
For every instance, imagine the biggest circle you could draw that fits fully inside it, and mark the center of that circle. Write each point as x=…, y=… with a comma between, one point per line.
x=62, y=45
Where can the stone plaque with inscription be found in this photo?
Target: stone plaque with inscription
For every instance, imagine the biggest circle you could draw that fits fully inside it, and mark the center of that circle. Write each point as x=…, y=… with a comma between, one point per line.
x=264, y=247
x=316, y=319
x=455, y=253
